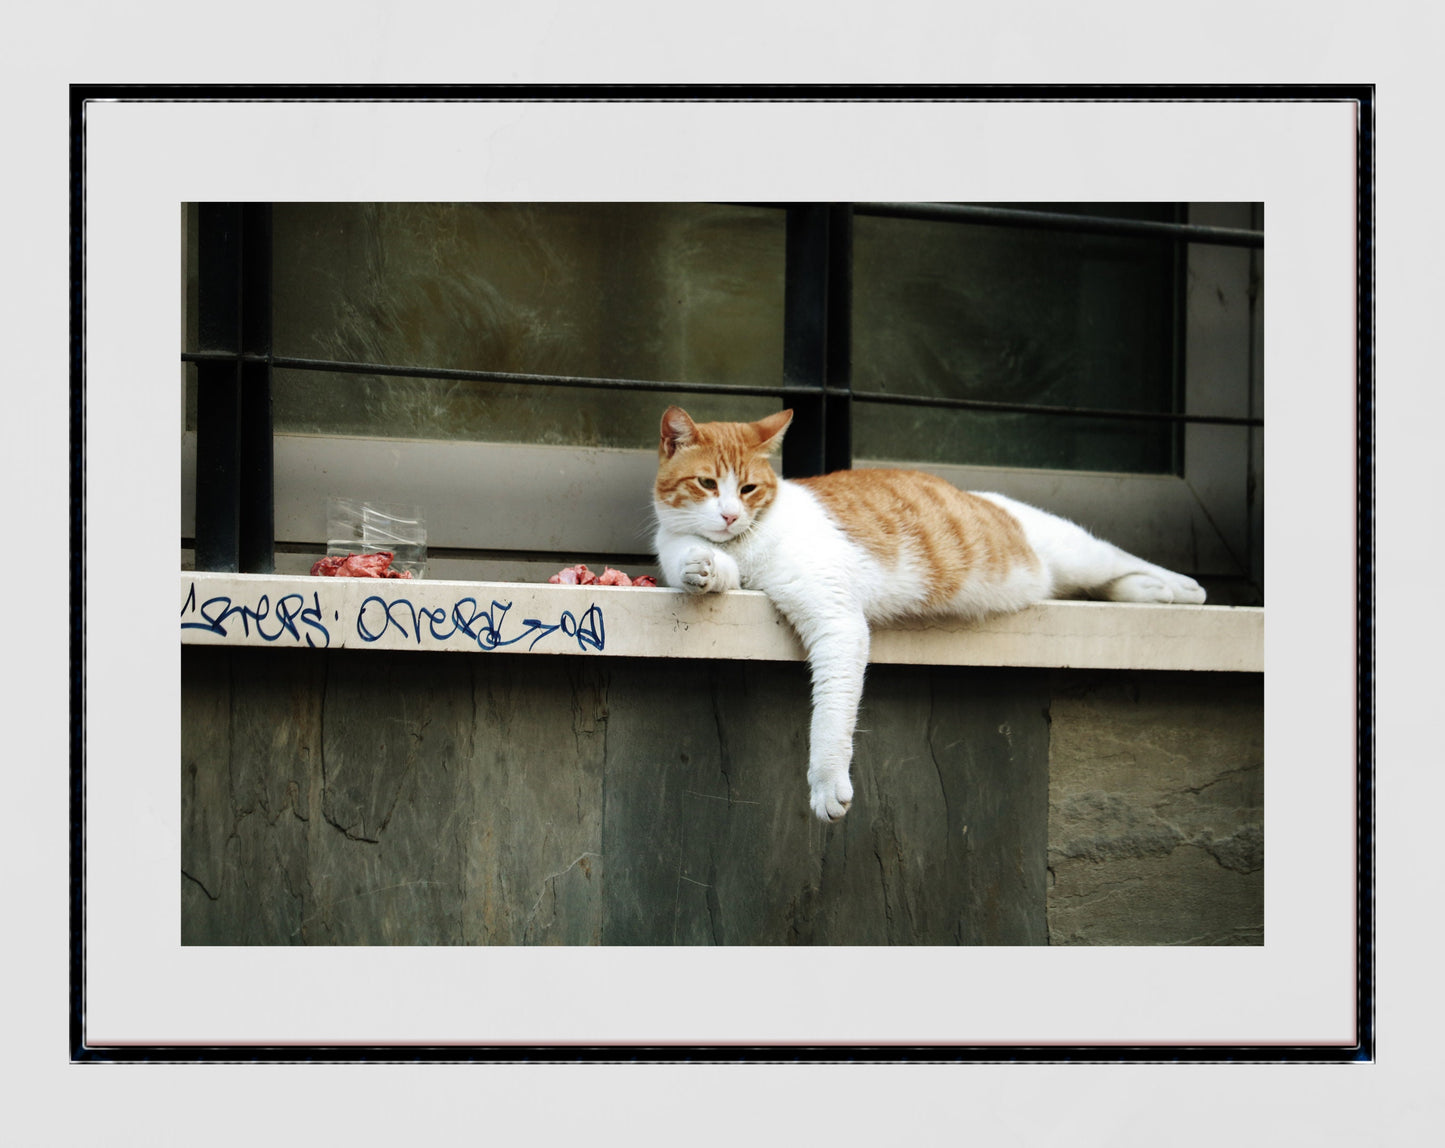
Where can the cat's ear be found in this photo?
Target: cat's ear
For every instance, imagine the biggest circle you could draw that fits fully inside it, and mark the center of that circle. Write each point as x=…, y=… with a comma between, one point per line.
x=678, y=431
x=770, y=430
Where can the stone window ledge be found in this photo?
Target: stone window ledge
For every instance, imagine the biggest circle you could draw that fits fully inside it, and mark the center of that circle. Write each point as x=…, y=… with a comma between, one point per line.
x=293, y=612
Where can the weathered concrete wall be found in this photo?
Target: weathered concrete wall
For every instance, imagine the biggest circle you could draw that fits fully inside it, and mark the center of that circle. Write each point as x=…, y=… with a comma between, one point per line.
x=370, y=798
x=1156, y=809
x=339, y=797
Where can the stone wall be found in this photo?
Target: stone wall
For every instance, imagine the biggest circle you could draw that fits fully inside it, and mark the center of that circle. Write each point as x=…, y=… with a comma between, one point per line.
x=1156, y=809
x=361, y=797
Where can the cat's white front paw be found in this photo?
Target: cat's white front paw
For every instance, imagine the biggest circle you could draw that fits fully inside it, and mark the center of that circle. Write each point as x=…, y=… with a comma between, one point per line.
x=699, y=570
x=831, y=796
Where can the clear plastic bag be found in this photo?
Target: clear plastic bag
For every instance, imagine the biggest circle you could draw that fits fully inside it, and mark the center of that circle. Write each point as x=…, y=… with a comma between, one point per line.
x=356, y=527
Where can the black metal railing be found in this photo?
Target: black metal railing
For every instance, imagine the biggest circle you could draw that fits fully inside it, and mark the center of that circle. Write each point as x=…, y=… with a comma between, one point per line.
x=1065, y=221
x=789, y=391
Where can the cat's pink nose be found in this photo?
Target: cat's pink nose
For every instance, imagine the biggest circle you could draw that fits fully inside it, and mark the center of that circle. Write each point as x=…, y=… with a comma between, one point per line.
x=729, y=519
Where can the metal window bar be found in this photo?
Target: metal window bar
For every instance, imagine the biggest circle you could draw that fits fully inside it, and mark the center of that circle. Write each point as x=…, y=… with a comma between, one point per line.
x=235, y=504
x=234, y=499
x=817, y=338
x=762, y=390
x=1064, y=221
x=218, y=391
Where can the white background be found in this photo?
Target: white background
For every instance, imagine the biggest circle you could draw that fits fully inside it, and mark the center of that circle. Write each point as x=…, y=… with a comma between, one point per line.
x=145, y=160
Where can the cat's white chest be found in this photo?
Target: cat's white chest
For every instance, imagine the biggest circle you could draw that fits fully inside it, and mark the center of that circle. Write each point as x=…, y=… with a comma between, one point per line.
x=803, y=560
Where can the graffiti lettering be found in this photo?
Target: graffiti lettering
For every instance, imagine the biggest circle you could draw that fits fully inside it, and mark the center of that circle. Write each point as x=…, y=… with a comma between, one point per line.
x=488, y=628
x=291, y=619
x=220, y=612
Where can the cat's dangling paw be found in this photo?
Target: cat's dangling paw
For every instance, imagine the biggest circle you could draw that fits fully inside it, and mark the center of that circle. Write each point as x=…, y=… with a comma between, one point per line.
x=831, y=797
x=699, y=570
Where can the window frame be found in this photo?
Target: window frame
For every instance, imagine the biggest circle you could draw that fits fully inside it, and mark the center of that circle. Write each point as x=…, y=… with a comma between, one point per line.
x=495, y=509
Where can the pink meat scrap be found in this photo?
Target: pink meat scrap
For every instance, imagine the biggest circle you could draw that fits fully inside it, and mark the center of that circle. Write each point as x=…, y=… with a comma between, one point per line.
x=377, y=565
x=579, y=575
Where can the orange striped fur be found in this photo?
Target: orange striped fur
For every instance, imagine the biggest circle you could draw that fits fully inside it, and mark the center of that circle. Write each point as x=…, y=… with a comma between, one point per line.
x=953, y=533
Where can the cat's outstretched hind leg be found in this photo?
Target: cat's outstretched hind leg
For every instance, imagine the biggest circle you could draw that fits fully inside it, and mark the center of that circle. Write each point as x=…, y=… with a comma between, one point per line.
x=1080, y=564
x=1153, y=585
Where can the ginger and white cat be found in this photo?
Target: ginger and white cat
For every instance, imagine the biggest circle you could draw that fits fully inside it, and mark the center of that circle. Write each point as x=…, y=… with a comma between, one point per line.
x=843, y=551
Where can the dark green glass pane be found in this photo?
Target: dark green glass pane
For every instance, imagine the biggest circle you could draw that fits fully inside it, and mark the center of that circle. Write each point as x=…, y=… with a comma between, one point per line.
x=1004, y=314
x=666, y=292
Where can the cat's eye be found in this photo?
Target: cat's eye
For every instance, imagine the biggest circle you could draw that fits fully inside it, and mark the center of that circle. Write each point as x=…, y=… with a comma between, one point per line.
x=748, y=489
x=707, y=483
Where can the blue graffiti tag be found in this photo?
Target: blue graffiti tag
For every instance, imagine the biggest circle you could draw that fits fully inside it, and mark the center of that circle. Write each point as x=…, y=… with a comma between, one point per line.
x=218, y=611
x=491, y=628
x=483, y=626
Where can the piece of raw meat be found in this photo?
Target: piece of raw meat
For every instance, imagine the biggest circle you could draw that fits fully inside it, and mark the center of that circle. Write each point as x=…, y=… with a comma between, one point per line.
x=579, y=575
x=376, y=565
